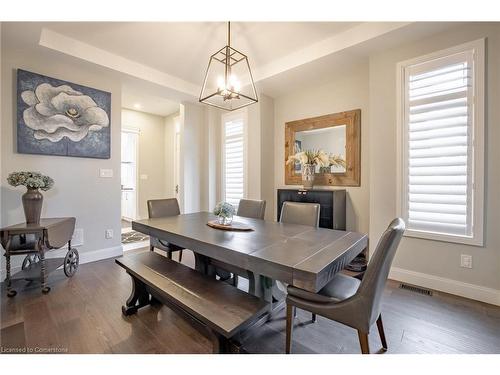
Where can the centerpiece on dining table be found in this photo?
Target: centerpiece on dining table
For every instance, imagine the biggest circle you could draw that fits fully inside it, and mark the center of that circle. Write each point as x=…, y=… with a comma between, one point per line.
x=225, y=212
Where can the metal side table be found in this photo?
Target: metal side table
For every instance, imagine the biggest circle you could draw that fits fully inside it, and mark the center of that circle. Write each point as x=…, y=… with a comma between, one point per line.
x=34, y=241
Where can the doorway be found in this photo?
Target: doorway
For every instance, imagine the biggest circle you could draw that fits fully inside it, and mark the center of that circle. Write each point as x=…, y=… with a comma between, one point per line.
x=177, y=142
x=129, y=185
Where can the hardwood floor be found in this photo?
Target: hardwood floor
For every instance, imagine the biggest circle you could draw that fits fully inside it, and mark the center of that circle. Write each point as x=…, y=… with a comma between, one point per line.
x=83, y=315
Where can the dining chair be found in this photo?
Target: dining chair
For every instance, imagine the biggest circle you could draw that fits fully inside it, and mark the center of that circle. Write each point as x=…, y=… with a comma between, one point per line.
x=348, y=300
x=300, y=213
x=253, y=209
x=158, y=208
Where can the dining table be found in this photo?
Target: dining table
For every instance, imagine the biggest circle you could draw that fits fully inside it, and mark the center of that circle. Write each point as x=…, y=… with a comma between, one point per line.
x=271, y=252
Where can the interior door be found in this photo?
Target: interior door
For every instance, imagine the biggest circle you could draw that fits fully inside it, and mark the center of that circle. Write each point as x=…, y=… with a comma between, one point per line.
x=177, y=142
x=130, y=144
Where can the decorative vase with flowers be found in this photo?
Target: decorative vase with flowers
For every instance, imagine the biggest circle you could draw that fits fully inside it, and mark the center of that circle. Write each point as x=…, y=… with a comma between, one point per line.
x=32, y=199
x=309, y=159
x=224, y=212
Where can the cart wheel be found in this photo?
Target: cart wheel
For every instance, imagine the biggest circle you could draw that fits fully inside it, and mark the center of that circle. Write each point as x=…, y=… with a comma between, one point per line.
x=11, y=293
x=71, y=261
x=46, y=290
x=29, y=260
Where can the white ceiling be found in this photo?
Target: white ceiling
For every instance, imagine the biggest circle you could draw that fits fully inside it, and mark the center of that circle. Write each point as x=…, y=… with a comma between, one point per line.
x=162, y=64
x=182, y=49
x=135, y=99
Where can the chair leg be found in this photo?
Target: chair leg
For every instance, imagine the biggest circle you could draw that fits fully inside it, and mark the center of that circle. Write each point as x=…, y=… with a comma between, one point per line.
x=313, y=317
x=235, y=280
x=381, y=332
x=151, y=247
x=180, y=256
x=290, y=310
x=363, y=342
x=169, y=254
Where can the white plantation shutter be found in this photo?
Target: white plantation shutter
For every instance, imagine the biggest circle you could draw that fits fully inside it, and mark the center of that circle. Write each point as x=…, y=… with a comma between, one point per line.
x=438, y=184
x=233, y=159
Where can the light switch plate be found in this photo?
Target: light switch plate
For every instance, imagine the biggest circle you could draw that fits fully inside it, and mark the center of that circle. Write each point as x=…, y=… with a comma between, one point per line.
x=105, y=173
x=144, y=177
x=108, y=234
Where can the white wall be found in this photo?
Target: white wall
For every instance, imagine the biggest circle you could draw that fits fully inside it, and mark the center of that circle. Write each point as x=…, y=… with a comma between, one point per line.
x=194, y=143
x=78, y=190
x=267, y=154
x=344, y=91
x=152, y=160
x=169, y=144
x=432, y=263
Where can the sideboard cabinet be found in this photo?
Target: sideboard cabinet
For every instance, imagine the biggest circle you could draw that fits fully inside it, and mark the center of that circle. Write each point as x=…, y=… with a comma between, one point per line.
x=332, y=204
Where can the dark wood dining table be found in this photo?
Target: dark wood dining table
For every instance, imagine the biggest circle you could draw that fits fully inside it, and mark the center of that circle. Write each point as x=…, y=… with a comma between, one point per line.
x=298, y=255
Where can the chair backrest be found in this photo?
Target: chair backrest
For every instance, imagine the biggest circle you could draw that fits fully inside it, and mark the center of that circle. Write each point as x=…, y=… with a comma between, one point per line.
x=252, y=208
x=163, y=208
x=374, y=280
x=300, y=213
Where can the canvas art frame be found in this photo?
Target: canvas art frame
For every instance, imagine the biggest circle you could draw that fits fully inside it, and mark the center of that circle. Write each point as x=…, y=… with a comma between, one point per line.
x=57, y=117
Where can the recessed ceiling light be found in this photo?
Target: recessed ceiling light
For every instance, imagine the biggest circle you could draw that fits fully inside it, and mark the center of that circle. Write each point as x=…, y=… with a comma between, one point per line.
x=137, y=106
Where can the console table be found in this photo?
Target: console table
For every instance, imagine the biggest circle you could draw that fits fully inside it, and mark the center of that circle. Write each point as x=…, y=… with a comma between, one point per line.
x=332, y=204
x=33, y=241
x=332, y=214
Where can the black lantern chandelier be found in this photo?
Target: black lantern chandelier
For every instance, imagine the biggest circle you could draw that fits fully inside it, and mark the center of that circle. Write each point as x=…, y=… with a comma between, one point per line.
x=228, y=82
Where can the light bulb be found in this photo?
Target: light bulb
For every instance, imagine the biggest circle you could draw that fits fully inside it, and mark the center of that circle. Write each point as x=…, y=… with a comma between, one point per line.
x=221, y=84
x=237, y=86
x=234, y=83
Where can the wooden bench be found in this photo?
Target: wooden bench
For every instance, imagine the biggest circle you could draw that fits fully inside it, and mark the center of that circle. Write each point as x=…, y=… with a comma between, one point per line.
x=218, y=309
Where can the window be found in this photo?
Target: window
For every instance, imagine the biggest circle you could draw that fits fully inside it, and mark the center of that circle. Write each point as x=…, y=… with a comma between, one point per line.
x=234, y=157
x=441, y=148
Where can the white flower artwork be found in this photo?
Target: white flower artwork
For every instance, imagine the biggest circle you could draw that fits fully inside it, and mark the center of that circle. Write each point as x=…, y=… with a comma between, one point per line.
x=60, y=118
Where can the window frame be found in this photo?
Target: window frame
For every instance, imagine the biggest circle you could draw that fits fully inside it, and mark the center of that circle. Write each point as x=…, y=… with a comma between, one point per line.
x=225, y=117
x=477, y=47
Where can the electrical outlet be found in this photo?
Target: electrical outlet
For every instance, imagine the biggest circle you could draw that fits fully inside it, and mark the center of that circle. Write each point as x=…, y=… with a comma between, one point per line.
x=105, y=173
x=109, y=234
x=77, y=239
x=466, y=261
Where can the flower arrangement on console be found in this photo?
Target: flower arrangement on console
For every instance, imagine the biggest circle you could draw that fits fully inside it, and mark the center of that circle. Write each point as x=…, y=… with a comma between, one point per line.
x=309, y=159
x=32, y=199
x=224, y=212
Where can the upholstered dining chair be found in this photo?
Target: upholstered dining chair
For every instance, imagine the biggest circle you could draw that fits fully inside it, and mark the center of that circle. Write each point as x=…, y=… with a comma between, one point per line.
x=348, y=300
x=251, y=208
x=300, y=213
x=158, y=208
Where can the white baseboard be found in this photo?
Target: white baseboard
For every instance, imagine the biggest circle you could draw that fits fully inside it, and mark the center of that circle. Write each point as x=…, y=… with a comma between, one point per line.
x=459, y=288
x=85, y=257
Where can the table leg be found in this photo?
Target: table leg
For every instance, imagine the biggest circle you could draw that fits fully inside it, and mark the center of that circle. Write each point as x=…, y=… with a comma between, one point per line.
x=8, y=281
x=43, y=272
x=201, y=263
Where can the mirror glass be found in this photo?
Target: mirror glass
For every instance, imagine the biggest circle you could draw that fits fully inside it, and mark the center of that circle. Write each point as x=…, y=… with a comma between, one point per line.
x=332, y=140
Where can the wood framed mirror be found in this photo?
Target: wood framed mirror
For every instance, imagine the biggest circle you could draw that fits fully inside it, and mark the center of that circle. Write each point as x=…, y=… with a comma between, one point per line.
x=338, y=134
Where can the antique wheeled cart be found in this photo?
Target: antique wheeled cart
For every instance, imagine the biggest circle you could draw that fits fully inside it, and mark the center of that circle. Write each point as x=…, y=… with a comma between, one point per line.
x=34, y=241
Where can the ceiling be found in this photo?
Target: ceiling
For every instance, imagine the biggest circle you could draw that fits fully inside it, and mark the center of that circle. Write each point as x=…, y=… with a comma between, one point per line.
x=182, y=49
x=138, y=100
x=162, y=64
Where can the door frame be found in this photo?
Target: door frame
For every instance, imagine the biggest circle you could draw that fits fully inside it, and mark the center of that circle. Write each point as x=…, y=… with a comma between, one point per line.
x=138, y=133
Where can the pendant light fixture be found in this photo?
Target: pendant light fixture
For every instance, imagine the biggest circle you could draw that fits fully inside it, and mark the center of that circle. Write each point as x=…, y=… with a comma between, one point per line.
x=228, y=82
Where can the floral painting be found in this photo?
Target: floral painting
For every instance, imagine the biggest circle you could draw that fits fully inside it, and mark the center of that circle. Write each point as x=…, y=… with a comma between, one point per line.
x=56, y=117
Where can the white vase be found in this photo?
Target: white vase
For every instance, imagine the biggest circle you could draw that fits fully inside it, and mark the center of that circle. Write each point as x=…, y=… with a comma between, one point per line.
x=308, y=171
x=225, y=220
